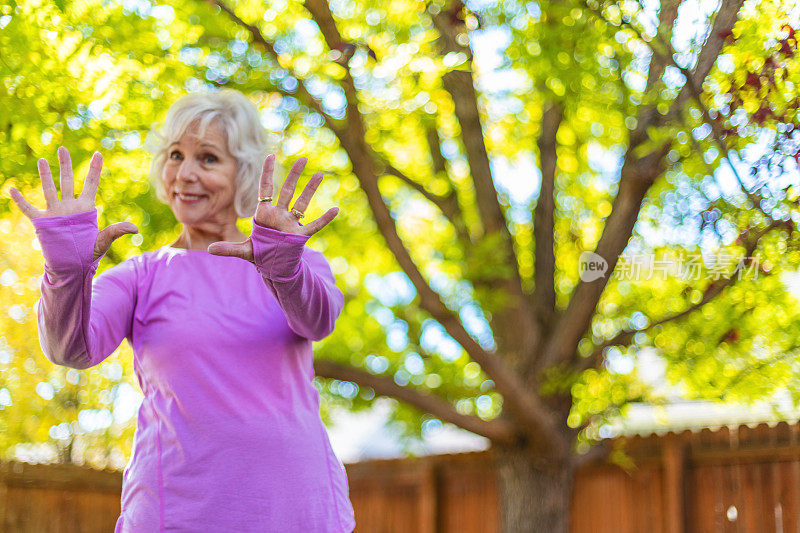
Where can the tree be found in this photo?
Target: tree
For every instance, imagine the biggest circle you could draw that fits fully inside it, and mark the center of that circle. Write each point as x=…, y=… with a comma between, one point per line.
x=475, y=312
x=56, y=85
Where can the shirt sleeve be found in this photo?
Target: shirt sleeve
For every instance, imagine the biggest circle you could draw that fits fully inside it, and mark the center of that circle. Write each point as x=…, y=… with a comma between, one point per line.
x=301, y=280
x=81, y=320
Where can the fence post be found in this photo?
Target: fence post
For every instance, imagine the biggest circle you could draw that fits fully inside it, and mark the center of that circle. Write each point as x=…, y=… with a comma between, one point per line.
x=428, y=496
x=3, y=498
x=673, y=459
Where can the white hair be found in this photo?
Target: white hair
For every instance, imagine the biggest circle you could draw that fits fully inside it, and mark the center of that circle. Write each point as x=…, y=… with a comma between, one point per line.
x=240, y=123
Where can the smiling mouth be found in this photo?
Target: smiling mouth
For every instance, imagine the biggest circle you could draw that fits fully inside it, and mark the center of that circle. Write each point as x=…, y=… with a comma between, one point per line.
x=189, y=198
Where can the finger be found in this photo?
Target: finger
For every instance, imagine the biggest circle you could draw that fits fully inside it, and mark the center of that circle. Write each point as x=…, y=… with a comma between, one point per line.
x=287, y=191
x=243, y=250
x=308, y=192
x=111, y=233
x=312, y=227
x=48, y=187
x=66, y=180
x=93, y=177
x=265, y=185
x=24, y=206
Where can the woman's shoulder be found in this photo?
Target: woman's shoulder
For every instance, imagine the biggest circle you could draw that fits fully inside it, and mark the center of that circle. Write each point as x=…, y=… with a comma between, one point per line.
x=143, y=258
x=137, y=265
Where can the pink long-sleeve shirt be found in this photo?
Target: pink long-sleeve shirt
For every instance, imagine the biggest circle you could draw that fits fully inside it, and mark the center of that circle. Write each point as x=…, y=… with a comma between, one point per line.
x=229, y=436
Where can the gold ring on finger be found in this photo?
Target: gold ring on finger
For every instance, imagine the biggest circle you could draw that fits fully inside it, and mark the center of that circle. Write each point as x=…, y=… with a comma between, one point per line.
x=265, y=199
x=298, y=214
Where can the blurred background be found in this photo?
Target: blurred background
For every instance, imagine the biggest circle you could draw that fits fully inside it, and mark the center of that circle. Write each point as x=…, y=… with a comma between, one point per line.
x=475, y=150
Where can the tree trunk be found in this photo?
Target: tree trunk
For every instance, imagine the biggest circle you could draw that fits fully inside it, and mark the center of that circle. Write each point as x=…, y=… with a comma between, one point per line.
x=535, y=493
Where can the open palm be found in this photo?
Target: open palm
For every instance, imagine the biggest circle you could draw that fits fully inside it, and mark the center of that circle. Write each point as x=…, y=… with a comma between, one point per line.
x=278, y=216
x=69, y=203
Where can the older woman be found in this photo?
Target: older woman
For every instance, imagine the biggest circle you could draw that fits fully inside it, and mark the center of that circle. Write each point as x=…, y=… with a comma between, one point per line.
x=229, y=436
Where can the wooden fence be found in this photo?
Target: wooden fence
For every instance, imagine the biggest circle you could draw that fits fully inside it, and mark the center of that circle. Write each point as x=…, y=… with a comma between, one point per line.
x=58, y=498
x=729, y=480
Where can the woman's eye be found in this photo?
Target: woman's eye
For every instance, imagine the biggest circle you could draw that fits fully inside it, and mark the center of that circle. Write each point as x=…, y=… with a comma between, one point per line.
x=207, y=158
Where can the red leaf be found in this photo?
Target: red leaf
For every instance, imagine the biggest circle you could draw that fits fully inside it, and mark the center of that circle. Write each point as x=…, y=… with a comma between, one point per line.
x=726, y=35
x=788, y=49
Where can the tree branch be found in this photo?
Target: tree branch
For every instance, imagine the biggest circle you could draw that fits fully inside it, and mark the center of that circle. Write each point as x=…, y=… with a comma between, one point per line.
x=743, y=373
x=517, y=329
x=497, y=430
x=435, y=199
x=321, y=14
x=448, y=205
x=594, y=359
x=525, y=406
x=440, y=168
x=259, y=38
x=544, y=296
x=460, y=85
x=435, y=147
x=666, y=21
x=723, y=22
x=718, y=136
x=664, y=54
x=636, y=177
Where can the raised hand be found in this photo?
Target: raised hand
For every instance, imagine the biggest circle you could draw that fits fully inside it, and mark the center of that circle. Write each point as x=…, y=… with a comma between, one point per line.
x=279, y=216
x=69, y=203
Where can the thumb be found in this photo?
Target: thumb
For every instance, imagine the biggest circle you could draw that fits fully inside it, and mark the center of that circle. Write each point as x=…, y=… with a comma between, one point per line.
x=111, y=233
x=243, y=250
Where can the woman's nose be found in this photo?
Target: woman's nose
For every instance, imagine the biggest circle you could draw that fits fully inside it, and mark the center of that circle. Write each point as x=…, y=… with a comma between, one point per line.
x=187, y=172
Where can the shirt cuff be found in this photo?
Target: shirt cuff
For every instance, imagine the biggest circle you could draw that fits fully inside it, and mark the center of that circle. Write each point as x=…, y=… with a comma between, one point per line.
x=276, y=253
x=68, y=241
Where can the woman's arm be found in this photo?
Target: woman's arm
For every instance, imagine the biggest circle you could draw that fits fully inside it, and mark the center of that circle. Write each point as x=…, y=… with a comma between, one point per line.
x=70, y=331
x=81, y=321
x=300, y=279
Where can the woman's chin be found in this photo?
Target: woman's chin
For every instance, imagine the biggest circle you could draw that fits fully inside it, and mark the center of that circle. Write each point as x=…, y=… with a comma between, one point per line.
x=188, y=216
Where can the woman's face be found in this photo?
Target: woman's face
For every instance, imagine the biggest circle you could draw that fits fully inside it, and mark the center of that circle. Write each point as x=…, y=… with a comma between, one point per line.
x=199, y=176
